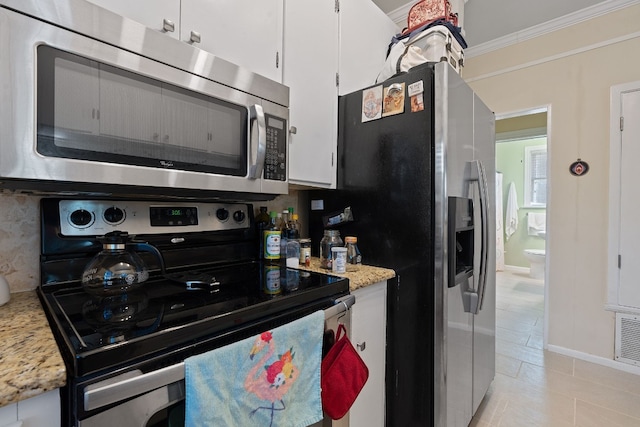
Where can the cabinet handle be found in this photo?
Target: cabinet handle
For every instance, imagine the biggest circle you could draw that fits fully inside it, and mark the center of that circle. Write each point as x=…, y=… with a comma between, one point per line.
x=195, y=37
x=293, y=130
x=168, y=25
x=362, y=346
x=166, y=138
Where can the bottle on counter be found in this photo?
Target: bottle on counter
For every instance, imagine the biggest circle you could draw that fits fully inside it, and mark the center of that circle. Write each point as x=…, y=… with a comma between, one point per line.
x=262, y=222
x=293, y=231
x=331, y=238
x=284, y=220
x=305, y=252
x=271, y=237
x=354, y=258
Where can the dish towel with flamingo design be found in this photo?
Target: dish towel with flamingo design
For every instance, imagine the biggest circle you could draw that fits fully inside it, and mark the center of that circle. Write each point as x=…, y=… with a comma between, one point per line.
x=272, y=379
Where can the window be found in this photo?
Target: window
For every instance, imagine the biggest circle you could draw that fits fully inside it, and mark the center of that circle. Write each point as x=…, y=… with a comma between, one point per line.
x=535, y=176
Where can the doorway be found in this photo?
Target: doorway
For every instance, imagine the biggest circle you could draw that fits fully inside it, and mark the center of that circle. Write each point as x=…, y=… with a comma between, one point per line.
x=521, y=210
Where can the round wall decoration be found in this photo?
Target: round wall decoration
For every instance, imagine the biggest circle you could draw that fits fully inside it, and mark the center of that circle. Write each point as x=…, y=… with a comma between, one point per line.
x=579, y=168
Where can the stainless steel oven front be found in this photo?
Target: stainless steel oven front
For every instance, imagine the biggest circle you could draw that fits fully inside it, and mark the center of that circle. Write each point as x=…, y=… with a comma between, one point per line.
x=153, y=399
x=93, y=101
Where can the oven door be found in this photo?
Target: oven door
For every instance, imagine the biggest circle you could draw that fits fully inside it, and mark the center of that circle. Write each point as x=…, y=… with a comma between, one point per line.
x=157, y=398
x=88, y=111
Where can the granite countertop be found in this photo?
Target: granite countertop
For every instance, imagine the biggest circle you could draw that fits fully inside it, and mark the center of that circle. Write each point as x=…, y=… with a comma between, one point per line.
x=364, y=276
x=30, y=359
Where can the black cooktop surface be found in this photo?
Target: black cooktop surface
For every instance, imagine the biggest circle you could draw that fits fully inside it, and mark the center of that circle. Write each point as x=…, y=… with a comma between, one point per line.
x=163, y=315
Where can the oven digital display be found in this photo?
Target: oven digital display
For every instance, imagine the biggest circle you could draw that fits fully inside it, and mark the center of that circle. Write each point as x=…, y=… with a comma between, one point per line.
x=169, y=216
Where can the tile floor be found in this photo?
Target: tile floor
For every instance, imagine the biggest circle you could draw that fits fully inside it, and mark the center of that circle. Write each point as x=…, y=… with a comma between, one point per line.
x=534, y=387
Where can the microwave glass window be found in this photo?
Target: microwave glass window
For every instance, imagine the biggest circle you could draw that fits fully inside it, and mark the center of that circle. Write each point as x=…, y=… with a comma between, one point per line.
x=93, y=111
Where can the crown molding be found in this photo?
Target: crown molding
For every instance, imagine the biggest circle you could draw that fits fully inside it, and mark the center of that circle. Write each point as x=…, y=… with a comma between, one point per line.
x=399, y=15
x=549, y=26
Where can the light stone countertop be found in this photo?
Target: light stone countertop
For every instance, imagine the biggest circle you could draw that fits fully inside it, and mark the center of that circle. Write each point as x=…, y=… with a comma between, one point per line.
x=364, y=276
x=29, y=356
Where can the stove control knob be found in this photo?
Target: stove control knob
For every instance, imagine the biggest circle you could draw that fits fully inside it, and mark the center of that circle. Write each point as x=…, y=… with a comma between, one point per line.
x=113, y=215
x=238, y=216
x=222, y=214
x=81, y=218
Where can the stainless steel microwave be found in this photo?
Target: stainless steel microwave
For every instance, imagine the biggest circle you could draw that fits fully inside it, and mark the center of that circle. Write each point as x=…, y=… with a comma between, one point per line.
x=94, y=102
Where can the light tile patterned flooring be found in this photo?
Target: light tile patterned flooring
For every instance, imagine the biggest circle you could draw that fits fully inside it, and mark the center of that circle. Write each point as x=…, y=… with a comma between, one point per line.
x=534, y=387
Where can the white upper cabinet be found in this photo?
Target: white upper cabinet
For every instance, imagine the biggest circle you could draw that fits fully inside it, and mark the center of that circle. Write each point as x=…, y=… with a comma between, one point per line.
x=245, y=32
x=365, y=34
x=310, y=71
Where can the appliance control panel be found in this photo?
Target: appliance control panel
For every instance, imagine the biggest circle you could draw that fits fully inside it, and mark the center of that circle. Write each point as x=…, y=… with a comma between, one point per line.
x=98, y=217
x=275, y=162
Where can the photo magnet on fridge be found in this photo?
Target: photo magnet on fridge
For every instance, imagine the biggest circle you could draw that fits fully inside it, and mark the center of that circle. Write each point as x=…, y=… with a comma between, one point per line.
x=371, y=103
x=415, y=92
x=393, y=102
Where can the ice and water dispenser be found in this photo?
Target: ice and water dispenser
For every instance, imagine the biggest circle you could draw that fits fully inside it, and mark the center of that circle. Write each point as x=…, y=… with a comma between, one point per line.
x=461, y=241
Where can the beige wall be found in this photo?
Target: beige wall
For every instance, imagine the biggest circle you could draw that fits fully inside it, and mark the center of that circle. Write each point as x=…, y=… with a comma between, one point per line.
x=571, y=71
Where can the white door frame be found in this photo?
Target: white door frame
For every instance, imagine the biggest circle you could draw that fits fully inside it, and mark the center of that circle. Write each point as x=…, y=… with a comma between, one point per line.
x=549, y=238
x=615, y=137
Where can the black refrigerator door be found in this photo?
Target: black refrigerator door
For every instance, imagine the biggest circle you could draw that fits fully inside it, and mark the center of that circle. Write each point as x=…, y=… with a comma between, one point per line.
x=385, y=174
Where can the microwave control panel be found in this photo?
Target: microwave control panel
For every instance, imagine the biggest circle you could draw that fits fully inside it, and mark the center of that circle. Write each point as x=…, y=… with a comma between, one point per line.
x=275, y=162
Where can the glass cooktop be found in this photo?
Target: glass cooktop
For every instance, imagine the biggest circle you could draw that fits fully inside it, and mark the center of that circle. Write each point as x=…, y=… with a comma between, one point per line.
x=164, y=315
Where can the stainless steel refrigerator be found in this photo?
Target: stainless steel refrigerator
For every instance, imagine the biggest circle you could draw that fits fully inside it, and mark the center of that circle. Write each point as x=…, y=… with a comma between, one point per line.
x=418, y=176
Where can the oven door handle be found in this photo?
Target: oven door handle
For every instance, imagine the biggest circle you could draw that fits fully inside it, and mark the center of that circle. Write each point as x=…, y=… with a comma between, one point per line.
x=109, y=391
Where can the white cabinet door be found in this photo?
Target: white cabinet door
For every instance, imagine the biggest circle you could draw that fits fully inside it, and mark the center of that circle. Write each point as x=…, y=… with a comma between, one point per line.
x=40, y=411
x=368, y=335
x=365, y=34
x=155, y=14
x=310, y=67
x=8, y=414
x=245, y=32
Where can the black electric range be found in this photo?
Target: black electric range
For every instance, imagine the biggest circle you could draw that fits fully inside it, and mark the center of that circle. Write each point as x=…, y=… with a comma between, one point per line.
x=163, y=322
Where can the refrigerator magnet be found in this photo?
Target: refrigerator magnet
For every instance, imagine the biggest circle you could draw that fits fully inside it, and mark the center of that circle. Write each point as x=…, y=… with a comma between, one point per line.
x=417, y=103
x=371, y=103
x=393, y=101
x=415, y=88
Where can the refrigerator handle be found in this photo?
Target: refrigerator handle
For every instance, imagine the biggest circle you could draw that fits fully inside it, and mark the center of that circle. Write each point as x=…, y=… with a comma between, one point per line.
x=478, y=174
x=478, y=190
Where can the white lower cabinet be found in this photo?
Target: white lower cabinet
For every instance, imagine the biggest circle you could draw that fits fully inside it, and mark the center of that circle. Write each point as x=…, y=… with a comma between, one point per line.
x=42, y=410
x=368, y=335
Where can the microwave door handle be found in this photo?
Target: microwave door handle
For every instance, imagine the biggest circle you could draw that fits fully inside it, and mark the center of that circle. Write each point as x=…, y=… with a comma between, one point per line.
x=258, y=140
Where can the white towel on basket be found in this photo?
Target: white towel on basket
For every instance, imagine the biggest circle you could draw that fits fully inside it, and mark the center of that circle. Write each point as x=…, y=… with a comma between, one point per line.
x=511, y=214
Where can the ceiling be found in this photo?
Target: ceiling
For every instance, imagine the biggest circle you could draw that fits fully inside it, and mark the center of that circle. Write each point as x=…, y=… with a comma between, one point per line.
x=487, y=20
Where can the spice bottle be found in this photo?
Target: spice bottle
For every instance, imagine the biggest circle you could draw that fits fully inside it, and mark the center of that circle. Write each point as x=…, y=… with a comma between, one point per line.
x=305, y=252
x=331, y=238
x=354, y=259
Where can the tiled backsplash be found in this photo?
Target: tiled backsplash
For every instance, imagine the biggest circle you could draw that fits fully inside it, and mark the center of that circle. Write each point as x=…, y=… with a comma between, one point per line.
x=20, y=236
x=20, y=241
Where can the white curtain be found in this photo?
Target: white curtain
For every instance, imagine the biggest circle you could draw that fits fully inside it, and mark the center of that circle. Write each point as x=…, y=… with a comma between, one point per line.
x=499, y=225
